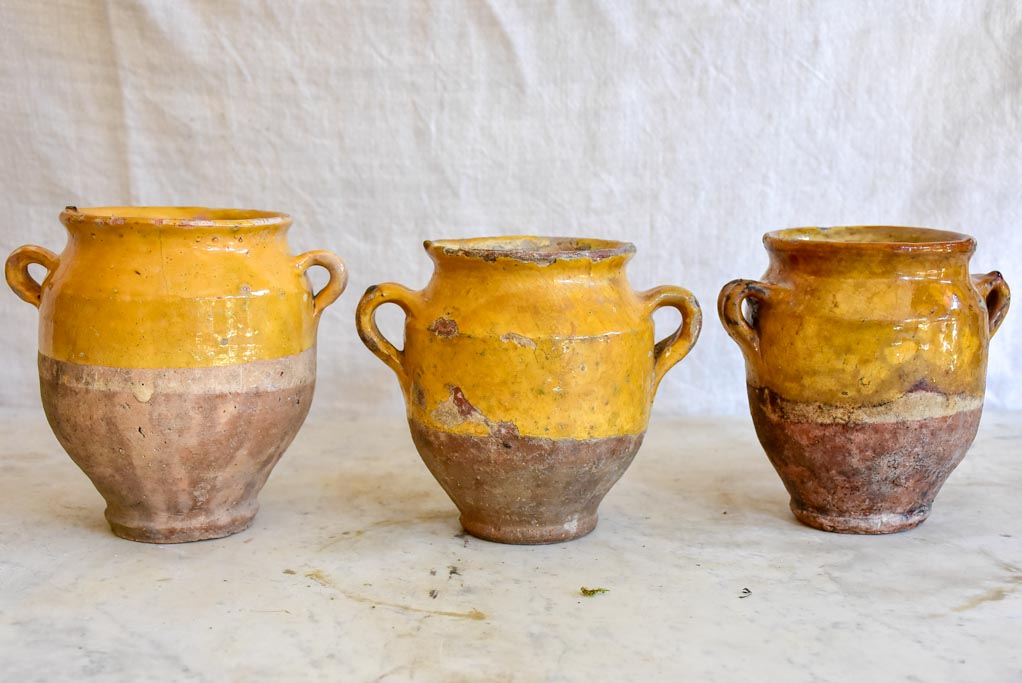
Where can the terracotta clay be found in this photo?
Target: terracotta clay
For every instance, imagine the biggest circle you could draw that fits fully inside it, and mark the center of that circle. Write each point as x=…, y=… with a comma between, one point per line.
x=866, y=352
x=529, y=368
x=177, y=358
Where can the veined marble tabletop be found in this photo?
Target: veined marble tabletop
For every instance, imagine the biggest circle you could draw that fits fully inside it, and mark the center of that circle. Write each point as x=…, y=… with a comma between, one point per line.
x=356, y=570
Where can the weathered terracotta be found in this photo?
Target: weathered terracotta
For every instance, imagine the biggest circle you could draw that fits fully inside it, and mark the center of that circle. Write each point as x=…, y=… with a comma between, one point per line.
x=529, y=368
x=866, y=353
x=177, y=358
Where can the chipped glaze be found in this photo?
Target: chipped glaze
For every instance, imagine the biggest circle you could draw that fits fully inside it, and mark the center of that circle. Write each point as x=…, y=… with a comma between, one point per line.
x=519, y=351
x=176, y=358
x=866, y=351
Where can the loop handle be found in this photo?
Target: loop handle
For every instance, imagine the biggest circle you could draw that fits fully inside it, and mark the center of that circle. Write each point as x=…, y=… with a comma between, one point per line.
x=669, y=351
x=368, y=331
x=996, y=295
x=18, y=277
x=338, y=276
x=729, y=308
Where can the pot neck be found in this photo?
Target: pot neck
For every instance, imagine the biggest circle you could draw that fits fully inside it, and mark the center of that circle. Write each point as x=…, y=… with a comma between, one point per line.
x=870, y=251
x=211, y=229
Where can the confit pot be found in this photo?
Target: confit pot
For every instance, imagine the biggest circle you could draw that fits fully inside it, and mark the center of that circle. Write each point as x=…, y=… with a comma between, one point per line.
x=529, y=368
x=866, y=355
x=177, y=358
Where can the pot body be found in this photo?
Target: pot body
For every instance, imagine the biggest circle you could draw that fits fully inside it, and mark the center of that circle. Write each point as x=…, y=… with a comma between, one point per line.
x=529, y=368
x=176, y=359
x=866, y=352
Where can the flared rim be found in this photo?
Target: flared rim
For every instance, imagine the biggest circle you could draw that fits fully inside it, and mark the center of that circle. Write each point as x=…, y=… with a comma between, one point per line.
x=531, y=249
x=879, y=238
x=174, y=216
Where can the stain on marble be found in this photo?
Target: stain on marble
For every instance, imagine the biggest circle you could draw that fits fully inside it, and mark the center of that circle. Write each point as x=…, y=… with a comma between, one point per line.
x=320, y=577
x=1011, y=583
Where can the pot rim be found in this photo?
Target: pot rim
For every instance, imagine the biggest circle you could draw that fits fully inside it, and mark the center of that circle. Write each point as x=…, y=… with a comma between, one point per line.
x=869, y=238
x=530, y=248
x=174, y=216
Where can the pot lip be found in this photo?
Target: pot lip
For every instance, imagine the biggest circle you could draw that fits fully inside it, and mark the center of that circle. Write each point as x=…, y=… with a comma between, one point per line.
x=530, y=248
x=884, y=238
x=173, y=216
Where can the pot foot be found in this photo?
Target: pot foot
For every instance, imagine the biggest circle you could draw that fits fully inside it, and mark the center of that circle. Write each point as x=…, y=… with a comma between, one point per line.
x=184, y=529
x=530, y=534
x=884, y=523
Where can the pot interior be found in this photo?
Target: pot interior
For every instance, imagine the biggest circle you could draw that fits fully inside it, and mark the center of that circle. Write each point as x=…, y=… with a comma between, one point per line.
x=880, y=235
x=184, y=216
x=530, y=248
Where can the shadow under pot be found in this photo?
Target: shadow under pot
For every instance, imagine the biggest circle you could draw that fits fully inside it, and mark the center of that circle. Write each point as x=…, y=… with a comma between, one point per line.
x=529, y=368
x=177, y=358
x=866, y=354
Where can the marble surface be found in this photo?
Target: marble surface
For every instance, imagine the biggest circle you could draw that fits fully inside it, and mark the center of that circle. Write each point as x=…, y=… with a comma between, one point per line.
x=356, y=569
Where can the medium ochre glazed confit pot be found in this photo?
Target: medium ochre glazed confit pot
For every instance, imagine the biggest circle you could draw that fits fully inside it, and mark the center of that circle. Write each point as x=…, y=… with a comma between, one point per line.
x=866, y=354
x=177, y=358
x=529, y=368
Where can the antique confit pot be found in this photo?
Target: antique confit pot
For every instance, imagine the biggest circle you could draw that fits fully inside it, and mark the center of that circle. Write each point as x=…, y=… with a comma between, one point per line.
x=177, y=358
x=529, y=368
x=866, y=354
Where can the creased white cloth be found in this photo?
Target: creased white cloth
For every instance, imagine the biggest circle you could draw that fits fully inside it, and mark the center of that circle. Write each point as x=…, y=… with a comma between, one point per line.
x=688, y=128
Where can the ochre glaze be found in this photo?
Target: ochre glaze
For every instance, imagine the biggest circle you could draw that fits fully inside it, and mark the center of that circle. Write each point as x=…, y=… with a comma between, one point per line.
x=527, y=341
x=176, y=358
x=170, y=287
x=866, y=352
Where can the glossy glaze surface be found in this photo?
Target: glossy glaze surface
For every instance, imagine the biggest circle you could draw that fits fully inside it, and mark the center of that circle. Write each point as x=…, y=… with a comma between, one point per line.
x=150, y=287
x=176, y=358
x=872, y=328
x=528, y=341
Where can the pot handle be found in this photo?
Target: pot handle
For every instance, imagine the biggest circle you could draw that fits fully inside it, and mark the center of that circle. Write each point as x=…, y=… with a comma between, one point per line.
x=18, y=277
x=729, y=308
x=669, y=351
x=338, y=276
x=996, y=295
x=365, y=321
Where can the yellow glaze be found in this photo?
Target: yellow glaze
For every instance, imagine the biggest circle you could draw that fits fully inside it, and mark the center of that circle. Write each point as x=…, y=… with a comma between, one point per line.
x=863, y=315
x=541, y=335
x=174, y=287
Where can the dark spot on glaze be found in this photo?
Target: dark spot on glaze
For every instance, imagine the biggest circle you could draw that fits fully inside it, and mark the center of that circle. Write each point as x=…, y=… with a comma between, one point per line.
x=465, y=409
x=444, y=327
x=924, y=385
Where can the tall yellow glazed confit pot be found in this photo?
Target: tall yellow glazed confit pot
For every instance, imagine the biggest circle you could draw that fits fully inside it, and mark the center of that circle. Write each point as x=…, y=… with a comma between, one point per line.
x=866, y=355
x=529, y=368
x=177, y=358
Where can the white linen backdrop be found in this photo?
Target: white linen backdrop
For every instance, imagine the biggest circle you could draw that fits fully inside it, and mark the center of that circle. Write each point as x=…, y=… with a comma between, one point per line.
x=689, y=128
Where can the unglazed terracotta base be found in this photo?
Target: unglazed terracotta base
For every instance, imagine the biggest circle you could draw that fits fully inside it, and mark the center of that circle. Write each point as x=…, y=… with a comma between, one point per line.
x=179, y=454
x=525, y=490
x=869, y=470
